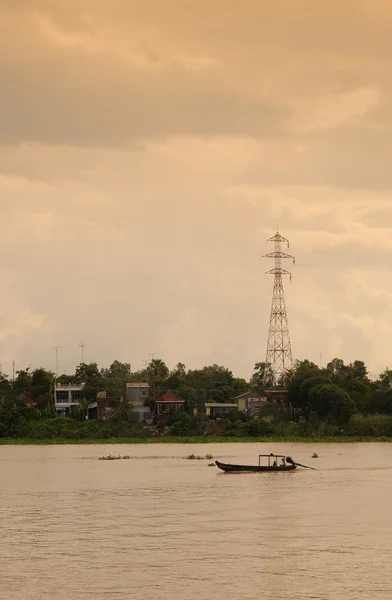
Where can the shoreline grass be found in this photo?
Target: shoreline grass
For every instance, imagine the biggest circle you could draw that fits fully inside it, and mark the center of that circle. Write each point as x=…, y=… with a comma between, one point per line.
x=196, y=440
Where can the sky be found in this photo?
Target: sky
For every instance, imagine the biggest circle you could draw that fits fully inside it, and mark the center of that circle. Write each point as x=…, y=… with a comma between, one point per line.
x=148, y=149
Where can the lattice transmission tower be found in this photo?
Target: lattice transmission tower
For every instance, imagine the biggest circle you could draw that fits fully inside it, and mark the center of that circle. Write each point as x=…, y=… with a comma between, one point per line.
x=278, y=358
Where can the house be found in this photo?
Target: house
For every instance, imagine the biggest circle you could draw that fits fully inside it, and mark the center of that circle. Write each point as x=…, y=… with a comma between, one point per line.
x=107, y=405
x=28, y=399
x=279, y=396
x=66, y=396
x=168, y=404
x=250, y=403
x=137, y=393
x=141, y=414
x=219, y=409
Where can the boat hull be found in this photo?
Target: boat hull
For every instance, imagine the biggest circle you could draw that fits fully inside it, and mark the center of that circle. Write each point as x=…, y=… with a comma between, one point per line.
x=253, y=468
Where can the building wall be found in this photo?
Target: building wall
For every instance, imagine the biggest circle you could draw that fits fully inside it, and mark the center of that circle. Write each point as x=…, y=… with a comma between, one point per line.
x=138, y=393
x=218, y=409
x=67, y=395
x=140, y=414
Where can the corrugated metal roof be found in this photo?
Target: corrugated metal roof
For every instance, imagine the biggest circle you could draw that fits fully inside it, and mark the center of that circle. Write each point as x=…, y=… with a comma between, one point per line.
x=137, y=385
x=220, y=405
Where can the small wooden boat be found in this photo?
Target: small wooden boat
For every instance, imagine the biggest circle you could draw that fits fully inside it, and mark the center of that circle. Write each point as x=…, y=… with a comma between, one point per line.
x=271, y=464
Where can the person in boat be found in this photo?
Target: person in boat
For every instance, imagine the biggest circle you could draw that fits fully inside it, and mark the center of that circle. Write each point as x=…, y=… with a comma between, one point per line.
x=283, y=463
x=274, y=464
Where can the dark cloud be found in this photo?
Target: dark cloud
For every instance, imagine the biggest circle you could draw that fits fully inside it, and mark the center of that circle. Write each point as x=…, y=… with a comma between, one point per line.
x=70, y=74
x=88, y=103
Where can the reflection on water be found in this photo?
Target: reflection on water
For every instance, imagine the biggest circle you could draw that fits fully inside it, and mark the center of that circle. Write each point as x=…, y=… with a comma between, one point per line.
x=159, y=526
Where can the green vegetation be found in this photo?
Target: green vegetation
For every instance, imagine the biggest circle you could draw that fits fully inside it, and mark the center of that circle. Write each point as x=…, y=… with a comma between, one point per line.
x=315, y=455
x=197, y=457
x=195, y=440
x=112, y=457
x=337, y=403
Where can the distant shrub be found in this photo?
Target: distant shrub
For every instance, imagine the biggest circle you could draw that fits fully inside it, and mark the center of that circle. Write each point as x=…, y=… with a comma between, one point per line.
x=371, y=425
x=69, y=429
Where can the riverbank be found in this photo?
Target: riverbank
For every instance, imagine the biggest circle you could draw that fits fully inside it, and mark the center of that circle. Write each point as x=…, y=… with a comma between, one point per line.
x=197, y=440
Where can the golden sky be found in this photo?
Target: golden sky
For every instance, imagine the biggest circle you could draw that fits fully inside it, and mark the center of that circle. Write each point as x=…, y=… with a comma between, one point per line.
x=149, y=148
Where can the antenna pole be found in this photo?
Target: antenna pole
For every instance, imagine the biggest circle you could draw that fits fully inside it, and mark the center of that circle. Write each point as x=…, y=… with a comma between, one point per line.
x=278, y=356
x=57, y=348
x=82, y=346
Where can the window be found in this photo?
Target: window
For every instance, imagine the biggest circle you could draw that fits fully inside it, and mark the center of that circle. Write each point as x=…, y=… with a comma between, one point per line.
x=76, y=396
x=61, y=397
x=144, y=393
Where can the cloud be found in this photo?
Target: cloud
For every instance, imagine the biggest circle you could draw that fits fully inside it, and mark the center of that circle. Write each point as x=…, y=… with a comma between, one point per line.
x=90, y=78
x=148, y=149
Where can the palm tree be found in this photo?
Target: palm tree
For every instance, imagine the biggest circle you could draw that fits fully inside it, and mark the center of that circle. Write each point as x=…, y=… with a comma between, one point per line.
x=123, y=409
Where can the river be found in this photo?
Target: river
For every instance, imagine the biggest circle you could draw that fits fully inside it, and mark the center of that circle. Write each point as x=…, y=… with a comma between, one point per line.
x=161, y=527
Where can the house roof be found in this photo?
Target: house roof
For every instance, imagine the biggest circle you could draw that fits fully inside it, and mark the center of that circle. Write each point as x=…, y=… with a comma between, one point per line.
x=137, y=385
x=170, y=397
x=246, y=395
x=242, y=395
x=220, y=405
x=28, y=399
x=74, y=387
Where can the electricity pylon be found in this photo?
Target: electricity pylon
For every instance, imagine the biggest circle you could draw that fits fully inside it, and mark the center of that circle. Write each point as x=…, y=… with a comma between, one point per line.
x=278, y=358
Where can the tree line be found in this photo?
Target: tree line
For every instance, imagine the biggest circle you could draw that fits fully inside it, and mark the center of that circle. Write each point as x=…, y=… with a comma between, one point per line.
x=339, y=397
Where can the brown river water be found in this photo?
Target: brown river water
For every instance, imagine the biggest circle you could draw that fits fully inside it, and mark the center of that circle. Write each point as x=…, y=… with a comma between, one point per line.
x=160, y=527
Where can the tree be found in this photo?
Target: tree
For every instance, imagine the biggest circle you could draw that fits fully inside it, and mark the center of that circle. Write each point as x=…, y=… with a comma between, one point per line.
x=239, y=386
x=80, y=411
x=157, y=376
x=91, y=377
x=5, y=384
x=359, y=371
x=41, y=382
x=65, y=379
x=115, y=378
x=336, y=367
x=331, y=402
x=14, y=414
x=183, y=424
x=385, y=379
x=310, y=383
x=217, y=382
x=301, y=371
x=123, y=409
x=262, y=371
x=22, y=382
x=177, y=377
x=344, y=373
x=45, y=403
x=180, y=371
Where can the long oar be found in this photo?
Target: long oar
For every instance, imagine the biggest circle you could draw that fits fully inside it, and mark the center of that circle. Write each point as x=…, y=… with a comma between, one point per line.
x=304, y=466
x=290, y=460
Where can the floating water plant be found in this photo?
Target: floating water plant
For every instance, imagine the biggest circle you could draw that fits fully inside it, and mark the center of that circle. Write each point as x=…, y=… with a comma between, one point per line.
x=211, y=465
x=112, y=457
x=314, y=455
x=197, y=457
